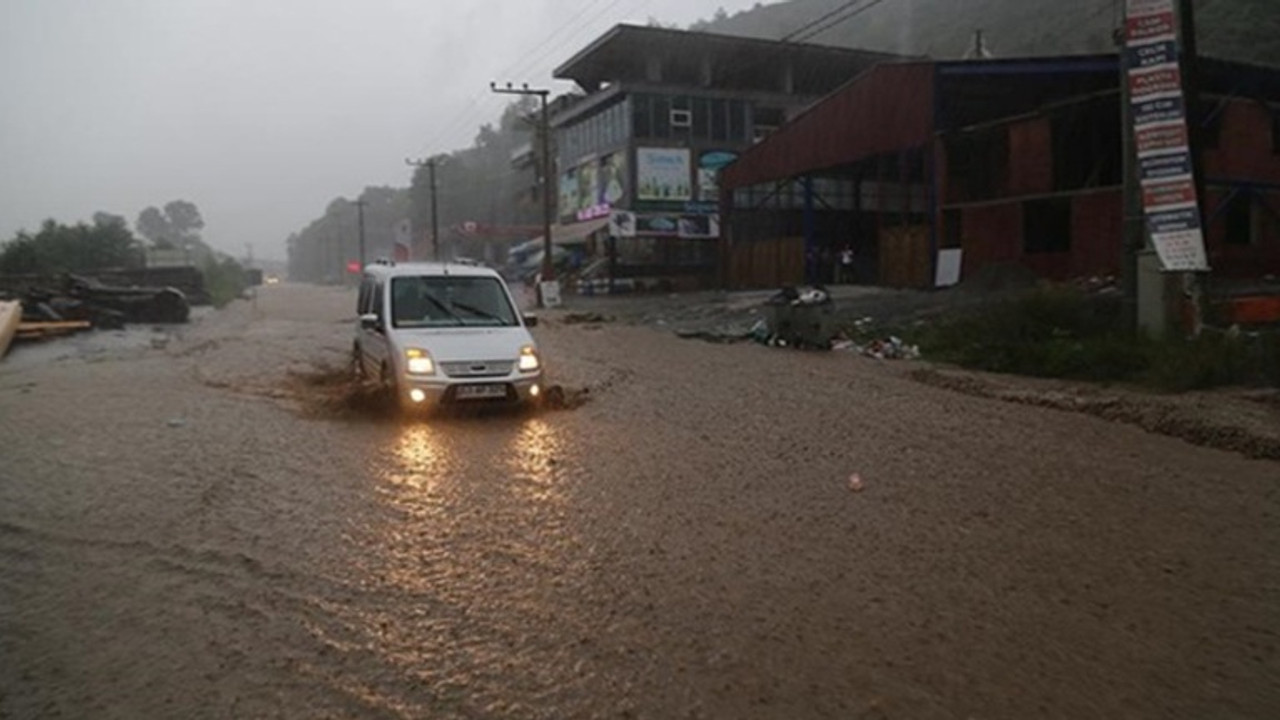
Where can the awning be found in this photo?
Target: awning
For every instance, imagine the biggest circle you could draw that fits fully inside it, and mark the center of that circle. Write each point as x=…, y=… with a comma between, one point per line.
x=574, y=234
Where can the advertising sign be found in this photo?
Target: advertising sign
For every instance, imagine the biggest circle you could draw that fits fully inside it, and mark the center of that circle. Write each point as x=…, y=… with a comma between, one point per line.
x=700, y=226
x=613, y=174
x=568, y=194
x=1160, y=132
x=709, y=166
x=663, y=174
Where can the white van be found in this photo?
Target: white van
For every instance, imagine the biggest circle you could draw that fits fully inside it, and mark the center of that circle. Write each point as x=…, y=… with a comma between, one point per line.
x=444, y=333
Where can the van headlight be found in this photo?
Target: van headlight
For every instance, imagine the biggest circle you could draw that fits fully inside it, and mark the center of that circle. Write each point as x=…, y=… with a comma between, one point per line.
x=528, y=359
x=418, y=362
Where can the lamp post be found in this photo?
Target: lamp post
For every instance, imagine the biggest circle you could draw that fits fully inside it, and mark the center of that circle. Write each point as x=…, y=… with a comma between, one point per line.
x=544, y=127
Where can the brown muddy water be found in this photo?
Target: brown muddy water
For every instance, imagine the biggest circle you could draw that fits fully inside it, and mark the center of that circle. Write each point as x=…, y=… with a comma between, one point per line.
x=218, y=525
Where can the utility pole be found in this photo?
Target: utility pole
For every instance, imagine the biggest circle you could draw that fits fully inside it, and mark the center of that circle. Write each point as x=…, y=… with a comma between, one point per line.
x=360, y=215
x=1193, y=282
x=1134, y=224
x=548, y=268
x=430, y=164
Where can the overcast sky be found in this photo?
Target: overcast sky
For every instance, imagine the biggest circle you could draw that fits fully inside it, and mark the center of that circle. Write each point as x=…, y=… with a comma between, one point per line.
x=261, y=111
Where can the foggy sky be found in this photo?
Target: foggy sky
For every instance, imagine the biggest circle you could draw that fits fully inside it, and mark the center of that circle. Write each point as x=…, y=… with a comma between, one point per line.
x=262, y=111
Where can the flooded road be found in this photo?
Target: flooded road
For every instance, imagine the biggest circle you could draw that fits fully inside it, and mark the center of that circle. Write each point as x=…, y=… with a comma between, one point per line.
x=185, y=533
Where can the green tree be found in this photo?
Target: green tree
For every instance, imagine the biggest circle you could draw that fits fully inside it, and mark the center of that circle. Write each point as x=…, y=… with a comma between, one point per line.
x=57, y=248
x=154, y=226
x=177, y=226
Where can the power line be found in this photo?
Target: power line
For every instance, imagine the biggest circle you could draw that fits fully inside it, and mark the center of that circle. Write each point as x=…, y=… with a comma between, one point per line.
x=808, y=35
x=472, y=111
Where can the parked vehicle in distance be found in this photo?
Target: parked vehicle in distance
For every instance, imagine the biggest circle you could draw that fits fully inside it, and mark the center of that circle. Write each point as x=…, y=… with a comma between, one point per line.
x=442, y=333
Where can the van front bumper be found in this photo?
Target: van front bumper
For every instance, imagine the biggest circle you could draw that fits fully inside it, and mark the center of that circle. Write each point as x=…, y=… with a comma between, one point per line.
x=433, y=391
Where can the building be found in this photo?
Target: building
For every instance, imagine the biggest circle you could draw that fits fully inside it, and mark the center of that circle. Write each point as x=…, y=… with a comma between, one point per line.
x=931, y=171
x=663, y=111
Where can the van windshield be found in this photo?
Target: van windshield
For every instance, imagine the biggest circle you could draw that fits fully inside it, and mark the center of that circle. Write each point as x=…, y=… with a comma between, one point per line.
x=450, y=301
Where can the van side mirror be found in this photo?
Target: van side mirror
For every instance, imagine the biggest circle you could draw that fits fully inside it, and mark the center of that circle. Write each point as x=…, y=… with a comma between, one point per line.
x=369, y=321
x=531, y=320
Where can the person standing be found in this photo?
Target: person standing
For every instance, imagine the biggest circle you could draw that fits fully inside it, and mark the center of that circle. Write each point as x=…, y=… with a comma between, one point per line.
x=846, y=265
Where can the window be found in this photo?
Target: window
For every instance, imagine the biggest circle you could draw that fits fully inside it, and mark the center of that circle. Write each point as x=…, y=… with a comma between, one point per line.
x=1275, y=131
x=378, y=295
x=365, y=302
x=1046, y=226
x=641, y=121
x=737, y=121
x=978, y=164
x=1239, y=220
x=953, y=226
x=661, y=117
x=450, y=300
x=702, y=117
x=719, y=121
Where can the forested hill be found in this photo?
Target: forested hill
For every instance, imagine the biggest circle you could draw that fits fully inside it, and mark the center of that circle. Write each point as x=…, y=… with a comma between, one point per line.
x=1242, y=30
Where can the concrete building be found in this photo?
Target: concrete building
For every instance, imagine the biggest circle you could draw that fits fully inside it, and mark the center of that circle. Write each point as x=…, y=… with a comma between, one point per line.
x=663, y=111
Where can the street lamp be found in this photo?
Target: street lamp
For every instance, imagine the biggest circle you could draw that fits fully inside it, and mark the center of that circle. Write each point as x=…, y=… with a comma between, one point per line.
x=548, y=268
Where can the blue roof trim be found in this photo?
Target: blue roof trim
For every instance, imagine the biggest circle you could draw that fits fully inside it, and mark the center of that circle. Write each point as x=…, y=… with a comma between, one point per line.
x=1030, y=67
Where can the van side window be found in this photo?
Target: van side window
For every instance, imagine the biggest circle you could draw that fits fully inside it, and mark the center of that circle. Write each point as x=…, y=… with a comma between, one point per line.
x=366, y=297
x=378, y=301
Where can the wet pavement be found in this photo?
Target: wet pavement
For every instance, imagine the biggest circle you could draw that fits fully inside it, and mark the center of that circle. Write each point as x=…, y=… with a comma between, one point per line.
x=185, y=533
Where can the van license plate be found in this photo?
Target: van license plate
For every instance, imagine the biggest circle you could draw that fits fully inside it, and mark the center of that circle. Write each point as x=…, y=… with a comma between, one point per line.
x=481, y=392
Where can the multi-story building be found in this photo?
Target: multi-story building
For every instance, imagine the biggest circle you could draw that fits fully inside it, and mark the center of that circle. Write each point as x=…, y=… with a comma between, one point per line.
x=639, y=154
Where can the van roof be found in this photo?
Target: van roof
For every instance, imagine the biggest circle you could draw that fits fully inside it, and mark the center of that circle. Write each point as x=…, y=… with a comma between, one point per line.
x=417, y=269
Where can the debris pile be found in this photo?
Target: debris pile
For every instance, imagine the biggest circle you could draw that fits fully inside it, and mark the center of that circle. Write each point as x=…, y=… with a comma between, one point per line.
x=54, y=308
x=798, y=318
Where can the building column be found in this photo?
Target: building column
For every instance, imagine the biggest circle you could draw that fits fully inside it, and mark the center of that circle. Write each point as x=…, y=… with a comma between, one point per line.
x=810, y=233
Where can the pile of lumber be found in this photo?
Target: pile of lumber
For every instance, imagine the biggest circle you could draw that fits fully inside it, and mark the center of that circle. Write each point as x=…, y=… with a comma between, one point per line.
x=47, y=330
x=10, y=318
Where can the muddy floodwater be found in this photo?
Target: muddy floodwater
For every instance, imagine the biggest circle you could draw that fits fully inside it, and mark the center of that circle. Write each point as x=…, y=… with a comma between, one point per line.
x=191, y=527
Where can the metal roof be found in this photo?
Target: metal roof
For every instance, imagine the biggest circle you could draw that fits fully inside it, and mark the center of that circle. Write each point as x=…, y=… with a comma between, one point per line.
x=608, y=58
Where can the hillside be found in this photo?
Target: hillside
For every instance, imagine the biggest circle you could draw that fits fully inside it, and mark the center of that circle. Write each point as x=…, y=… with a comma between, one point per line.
x=1242, y=30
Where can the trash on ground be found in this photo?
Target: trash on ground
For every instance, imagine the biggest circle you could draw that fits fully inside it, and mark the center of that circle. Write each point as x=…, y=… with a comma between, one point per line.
x=586, y=317
x=799, y=318
x=856, y=484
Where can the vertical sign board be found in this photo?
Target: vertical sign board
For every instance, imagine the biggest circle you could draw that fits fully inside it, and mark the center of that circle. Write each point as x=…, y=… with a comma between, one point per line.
x=1160, y=132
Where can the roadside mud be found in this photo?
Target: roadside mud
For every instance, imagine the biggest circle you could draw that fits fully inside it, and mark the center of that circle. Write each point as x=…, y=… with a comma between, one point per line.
x=1149, y=413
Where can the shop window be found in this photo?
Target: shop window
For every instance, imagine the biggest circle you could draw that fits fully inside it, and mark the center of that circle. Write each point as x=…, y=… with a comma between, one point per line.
x=1046, y=226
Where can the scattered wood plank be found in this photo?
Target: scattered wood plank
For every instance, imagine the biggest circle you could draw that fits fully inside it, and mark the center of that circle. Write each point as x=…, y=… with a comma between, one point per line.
x=46, y=330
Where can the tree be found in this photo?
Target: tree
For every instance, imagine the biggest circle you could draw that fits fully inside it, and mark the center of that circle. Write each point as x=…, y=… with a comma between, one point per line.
x=57, y=248
x=178, y=225
x=184, y=219
x=106, y=219
x=154, y=226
